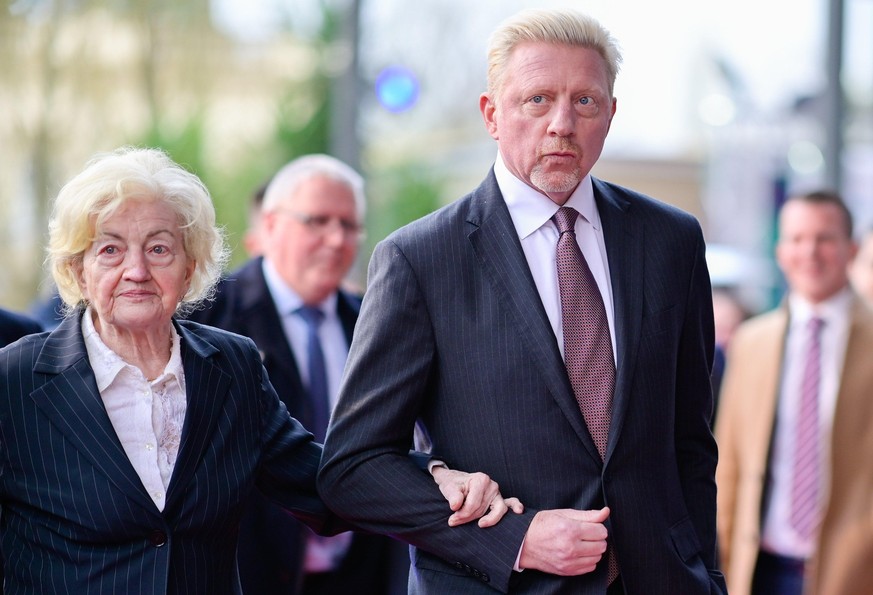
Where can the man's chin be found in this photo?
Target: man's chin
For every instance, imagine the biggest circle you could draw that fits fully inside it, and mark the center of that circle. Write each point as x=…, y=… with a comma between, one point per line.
x=556, y=183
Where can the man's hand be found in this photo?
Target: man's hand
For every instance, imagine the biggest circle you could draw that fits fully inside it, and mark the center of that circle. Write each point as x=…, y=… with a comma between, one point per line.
x=566, y=542
x=473, y=496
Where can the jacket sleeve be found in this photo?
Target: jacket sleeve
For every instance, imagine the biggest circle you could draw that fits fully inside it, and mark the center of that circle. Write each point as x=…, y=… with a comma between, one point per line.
x=367, y=476
x=289, y=463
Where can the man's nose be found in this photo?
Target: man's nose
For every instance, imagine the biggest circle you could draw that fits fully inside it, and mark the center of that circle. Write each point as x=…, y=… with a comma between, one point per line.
x=563, y=119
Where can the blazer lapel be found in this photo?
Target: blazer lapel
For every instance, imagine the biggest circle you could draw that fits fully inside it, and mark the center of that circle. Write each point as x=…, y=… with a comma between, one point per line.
x=72, y=402
x=623, y=236
x=348, y=306
x=498, y=249
x=262, y=323
x=854, y=406
x=206, y=386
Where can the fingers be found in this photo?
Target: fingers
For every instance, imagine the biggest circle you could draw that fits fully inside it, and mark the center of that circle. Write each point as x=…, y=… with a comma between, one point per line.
x=454, y=490
x=565, y=541
x=480, y=492
x=495, y=512
x=514, y=505
x=456, y=495
x=473, y=496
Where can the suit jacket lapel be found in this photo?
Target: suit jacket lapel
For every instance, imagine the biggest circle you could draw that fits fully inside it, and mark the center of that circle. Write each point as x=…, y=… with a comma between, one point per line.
x=260, y=320
x=498, y=249
x=623, y=236
x=206, y=387
x=73, y=404
x=348, y=307
x=854, y=406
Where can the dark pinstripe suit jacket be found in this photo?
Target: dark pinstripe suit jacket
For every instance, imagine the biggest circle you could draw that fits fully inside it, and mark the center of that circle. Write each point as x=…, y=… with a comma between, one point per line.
x=452, y=329
x=272, y=545
x=76, y=518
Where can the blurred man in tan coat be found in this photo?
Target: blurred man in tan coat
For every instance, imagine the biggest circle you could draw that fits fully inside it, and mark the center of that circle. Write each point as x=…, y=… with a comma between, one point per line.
x=861, y=271
x=795, y=480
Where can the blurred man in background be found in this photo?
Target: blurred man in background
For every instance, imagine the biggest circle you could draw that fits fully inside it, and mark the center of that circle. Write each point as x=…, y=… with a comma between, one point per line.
x=253, y=234
x=794, y=476
x=861, y=269
x=289, y=301
x=727, y=312
x=13, y=326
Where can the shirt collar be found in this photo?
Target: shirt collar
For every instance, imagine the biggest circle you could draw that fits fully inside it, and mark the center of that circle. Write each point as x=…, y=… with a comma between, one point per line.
x=107, y=364
x=286, y=299
x=531, y=209
x=831, y=309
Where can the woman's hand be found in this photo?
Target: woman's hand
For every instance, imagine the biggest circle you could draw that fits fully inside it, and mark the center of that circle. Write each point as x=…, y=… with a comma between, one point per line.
x=473, y=496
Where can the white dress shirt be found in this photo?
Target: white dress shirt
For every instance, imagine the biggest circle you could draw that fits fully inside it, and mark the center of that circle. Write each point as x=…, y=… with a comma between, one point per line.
x=334, y=343
x=778, y=535
x=531, y=214
x=148, y=416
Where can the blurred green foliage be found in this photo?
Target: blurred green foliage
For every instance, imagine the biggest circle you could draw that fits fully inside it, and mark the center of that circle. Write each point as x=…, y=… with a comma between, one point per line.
x=159, y=73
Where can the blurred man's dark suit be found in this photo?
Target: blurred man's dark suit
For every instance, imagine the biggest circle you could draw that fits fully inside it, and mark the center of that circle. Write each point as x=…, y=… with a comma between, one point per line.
x=13, y=326
x=272, y=543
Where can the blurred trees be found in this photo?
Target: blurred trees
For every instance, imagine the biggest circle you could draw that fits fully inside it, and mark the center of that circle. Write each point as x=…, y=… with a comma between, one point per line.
x=84, y=76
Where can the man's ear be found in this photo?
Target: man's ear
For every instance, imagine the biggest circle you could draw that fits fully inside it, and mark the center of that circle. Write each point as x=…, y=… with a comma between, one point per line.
x=489, y=114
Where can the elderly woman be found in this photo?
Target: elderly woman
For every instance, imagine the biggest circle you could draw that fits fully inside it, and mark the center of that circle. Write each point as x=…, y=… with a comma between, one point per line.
x=129, y=439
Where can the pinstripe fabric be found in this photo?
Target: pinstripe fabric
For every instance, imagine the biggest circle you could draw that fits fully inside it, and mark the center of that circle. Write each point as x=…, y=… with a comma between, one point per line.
x=452, y=331
x=76, y=518
x=270, y=541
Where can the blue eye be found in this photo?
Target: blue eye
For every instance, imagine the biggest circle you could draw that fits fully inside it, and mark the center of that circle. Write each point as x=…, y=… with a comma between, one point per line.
x=585, y=100
x=537, y=99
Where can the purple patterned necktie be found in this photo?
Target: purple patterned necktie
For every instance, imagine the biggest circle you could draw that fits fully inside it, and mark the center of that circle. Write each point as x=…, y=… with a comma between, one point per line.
x=587, y=345
x=806, y=476
x=317, y=388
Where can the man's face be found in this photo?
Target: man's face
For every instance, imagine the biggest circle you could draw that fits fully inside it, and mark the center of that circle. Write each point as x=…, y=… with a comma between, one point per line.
x=312, y=237
x=814, y=249
x=551, y=115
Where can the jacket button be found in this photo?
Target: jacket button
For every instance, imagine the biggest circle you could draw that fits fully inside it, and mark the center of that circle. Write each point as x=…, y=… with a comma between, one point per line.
x=157, y=538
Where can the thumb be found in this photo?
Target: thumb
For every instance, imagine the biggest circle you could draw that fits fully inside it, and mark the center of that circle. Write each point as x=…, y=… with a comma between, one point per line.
x=591, y=516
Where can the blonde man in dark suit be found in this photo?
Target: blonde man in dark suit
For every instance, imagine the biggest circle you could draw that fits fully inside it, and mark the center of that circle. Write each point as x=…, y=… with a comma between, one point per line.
x=462, y=326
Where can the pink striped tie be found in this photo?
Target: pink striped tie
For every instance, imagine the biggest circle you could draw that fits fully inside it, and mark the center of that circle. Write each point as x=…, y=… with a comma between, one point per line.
x=806, y=477
x=587, y=345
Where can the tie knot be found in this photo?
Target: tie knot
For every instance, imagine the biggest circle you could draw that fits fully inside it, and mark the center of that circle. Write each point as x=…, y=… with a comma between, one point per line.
x=815, y=324
x=565, y=219
x=311, y=315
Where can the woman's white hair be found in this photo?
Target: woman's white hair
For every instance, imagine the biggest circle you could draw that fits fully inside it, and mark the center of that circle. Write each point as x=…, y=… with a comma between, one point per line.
x=110, y=180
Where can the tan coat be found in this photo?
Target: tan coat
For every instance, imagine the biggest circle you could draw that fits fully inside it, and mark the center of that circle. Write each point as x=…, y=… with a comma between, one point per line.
x=844, y=563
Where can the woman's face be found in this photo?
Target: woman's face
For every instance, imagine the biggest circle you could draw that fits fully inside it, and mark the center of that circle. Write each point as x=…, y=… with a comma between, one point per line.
x=136, y=271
